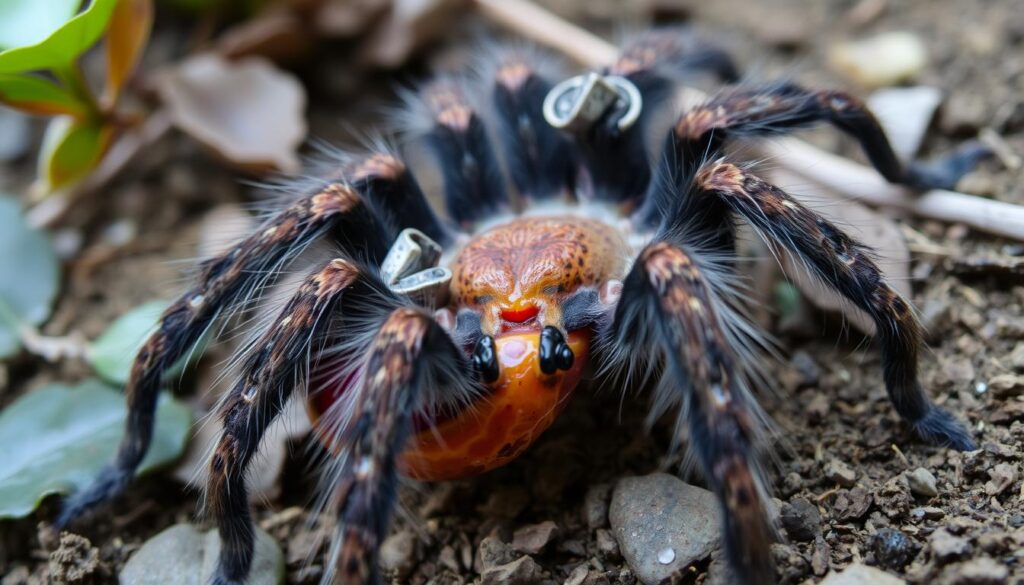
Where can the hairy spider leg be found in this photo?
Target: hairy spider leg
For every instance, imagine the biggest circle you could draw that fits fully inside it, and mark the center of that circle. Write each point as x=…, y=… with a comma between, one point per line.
x=277, y=365
x=474, y=185
x=845, y=265
x=618, y=161
x=668, y=293
x=393, y=193
x=701, y=133
x=225, y=283
x=542, y=163
x=409, y=344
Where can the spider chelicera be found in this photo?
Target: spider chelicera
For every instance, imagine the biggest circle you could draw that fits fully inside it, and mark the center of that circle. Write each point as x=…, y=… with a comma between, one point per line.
x=438, y=346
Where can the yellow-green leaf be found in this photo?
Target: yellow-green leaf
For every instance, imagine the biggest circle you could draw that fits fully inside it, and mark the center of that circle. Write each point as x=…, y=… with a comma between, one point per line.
x=36, y=95
x=129, y=31
x=62, y=47
x=71, y=148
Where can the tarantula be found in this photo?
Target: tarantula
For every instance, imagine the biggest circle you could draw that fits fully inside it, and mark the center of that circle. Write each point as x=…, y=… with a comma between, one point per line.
x=441, y=348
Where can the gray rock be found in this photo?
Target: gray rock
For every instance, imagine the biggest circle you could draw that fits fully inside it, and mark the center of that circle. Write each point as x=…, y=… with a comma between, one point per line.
x=947, y=547
x=840, y=473
x=595, y=506
x=801, y=520
x=181, y=555
x=398, y=553
x=922, y=483
x=522, y=571
x=857, y=574
x=662, y=524
x=534, y=538
x=491, y=553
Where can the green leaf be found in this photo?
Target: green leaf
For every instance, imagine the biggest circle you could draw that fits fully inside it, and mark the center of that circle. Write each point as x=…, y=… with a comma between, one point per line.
x=56, y=439
x=36, y=95
x=62, y=47
x=29, y=275
x=114, y=350
x=71, y=149
x=26, y=22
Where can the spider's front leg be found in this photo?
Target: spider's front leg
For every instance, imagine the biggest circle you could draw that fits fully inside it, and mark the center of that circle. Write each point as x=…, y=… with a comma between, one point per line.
x=410, y=356
x=225, y=285
x=277, y=365
x=669, y=307
x=845, y=265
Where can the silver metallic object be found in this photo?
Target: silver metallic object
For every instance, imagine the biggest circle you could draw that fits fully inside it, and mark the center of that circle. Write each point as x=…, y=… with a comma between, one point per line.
x=410, y=268
x=576, y=103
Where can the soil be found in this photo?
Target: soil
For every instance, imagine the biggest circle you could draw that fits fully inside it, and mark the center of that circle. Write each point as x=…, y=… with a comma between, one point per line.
x=844, y=476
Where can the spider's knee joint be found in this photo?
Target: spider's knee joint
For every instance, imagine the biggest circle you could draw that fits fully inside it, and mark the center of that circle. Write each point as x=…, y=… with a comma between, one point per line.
x=555, y=353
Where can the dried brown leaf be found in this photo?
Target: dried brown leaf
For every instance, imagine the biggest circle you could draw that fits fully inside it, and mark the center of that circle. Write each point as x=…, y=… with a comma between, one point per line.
x=248, y=111
x=126, y=38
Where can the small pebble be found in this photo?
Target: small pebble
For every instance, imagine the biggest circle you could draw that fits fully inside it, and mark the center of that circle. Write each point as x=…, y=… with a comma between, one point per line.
x=595, y=505
x=893, y=549
x=858, y=574
x=840, y=473
x=922, y=483
x=801, y=520
x=1003, y=475
x=607, y=545
x=885, y=59
x=978, y=571
x=534, y=538
x=398, y=553
x=947, y=547
x=522, y=571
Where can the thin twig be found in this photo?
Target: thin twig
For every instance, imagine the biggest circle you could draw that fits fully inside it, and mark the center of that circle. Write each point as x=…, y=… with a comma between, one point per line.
x=839, y=174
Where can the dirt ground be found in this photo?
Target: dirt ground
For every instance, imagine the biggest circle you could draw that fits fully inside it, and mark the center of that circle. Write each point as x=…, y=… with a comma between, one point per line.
x=830, y=406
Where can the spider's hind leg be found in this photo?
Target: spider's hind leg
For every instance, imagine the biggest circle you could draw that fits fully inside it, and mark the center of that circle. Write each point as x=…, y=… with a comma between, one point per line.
x=670, y=300
x=846, y=266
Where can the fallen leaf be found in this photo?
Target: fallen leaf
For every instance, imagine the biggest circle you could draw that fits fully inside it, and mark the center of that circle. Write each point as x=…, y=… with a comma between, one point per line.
x=57, y=438
x=129, y=31
x=248, y=111
x=29, y=276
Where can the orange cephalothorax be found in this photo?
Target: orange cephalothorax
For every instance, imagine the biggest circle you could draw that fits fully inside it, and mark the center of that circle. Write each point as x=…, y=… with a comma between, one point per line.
x=516, y=273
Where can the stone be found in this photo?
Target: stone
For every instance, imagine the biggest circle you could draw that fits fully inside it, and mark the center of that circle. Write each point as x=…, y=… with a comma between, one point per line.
x=181, y=555
x=398, y=553
x=75, y=562
x=858, y=574
x=662, y=524
x=1003, y=475
x=534, y=538
x=522, y=571
x=595, y=505
x=922, y=483
x=893, y=498
x=851, y=504
x=801, y=520
x=1006, y=385
x=947, y=547
x=840, y=473
x=606, y=544
x=881, y=60
x=893, y=549
x=577, y=576
x=979, y=571
x=493, y=552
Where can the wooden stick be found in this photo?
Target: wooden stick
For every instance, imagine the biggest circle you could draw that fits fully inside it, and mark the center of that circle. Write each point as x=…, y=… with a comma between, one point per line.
x=839, y=174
